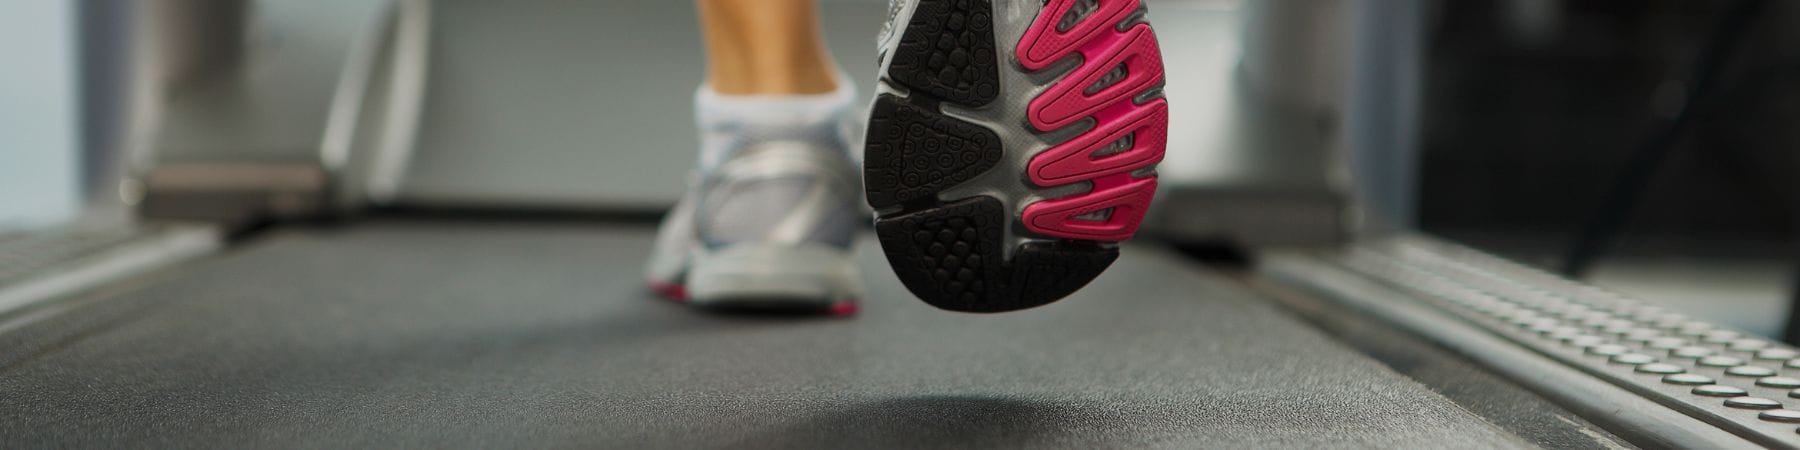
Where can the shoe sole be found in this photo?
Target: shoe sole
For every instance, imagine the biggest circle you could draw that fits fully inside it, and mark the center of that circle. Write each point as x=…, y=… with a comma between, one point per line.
x=777, y=278
x=1004, y=178
x=677, y=293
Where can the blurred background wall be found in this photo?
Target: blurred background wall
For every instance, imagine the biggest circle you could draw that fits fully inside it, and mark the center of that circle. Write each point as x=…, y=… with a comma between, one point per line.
x=38, y=115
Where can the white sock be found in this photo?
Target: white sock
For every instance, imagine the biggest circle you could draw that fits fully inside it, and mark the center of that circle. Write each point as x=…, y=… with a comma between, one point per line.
x=725, y=119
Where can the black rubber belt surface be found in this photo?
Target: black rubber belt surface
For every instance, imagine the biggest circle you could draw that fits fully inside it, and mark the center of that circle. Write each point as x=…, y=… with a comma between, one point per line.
x=509, y=335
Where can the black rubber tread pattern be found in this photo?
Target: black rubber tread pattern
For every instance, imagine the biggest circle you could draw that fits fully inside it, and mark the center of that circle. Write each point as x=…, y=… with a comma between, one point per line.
x=948, y=52
x=912, y=152
x=949, y=253
x=950, y=257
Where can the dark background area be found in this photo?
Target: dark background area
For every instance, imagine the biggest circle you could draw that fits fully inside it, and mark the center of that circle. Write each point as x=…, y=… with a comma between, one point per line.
x=1532, y=110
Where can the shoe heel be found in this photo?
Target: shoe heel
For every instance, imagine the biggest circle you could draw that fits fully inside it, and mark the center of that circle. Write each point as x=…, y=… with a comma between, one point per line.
x=765, y=275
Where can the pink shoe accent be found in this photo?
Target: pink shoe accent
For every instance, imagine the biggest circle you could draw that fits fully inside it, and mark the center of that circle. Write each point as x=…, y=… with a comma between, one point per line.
x=670, y=291
x=1043, y=45
x=843, y=308
x=1128, y=197
x=1072, y=161
x=1115, y=114
x=1068, y=101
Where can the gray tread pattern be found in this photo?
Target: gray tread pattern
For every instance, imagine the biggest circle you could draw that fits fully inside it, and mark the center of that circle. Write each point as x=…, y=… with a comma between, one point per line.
x=486, y=335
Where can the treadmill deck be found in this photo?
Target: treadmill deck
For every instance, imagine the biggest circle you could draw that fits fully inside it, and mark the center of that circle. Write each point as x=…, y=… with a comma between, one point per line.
x=484, y=334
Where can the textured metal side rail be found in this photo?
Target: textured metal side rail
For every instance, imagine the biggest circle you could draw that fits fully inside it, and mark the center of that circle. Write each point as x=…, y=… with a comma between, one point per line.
x=25, y=253
x=40, y=265
x=1625, y=413
x=1734, y=381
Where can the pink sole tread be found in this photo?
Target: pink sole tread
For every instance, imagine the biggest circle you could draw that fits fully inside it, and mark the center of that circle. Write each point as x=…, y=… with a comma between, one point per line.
x=1116, y=117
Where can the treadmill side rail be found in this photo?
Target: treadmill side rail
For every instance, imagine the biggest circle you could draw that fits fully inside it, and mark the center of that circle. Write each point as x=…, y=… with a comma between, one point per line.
x=57, y=262
x=1599, y=353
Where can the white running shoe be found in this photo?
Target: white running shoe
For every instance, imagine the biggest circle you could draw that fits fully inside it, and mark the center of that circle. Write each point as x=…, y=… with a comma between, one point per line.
x=772, y=210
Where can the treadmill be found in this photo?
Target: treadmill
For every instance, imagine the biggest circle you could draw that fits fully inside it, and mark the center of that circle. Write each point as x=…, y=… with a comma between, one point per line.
x=386, y=231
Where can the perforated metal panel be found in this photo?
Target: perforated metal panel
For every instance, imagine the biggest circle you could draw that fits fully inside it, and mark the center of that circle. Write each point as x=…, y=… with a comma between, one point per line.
x=1716, y=377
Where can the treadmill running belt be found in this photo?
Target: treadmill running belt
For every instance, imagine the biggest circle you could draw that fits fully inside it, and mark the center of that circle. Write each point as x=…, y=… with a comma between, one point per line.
x=476, y=334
